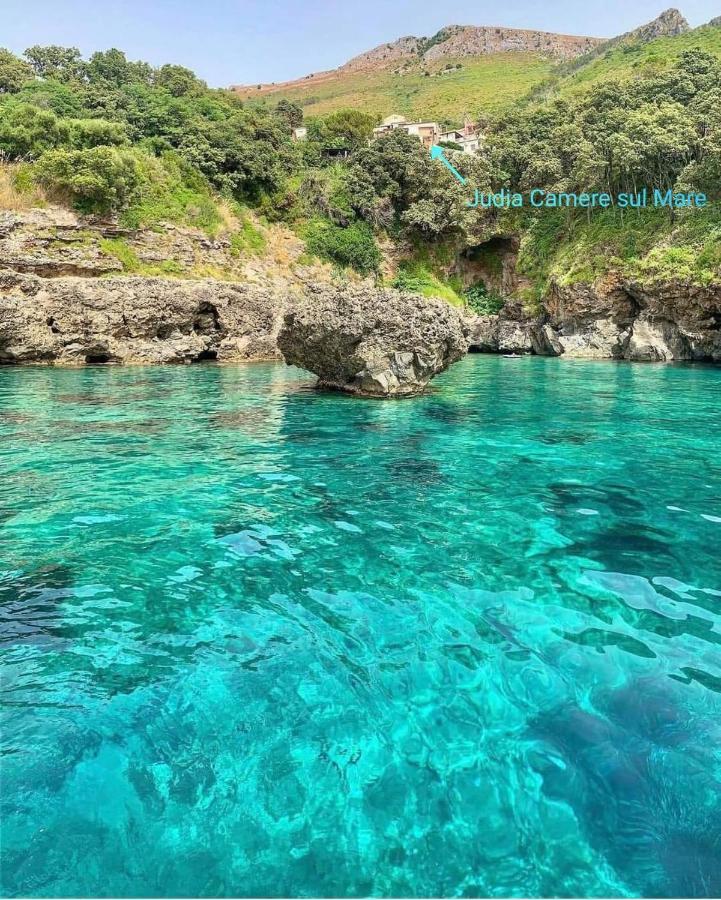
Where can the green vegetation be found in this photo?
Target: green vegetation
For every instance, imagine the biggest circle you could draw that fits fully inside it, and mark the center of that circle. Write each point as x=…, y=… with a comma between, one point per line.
x=418, y=279
x=132, y=265
x=352, y=246
x=149, y=145
x=483, y=301
x=633, y=60
x=425, y=272
x=54, y=102
x=485, y=84
x=247, y=240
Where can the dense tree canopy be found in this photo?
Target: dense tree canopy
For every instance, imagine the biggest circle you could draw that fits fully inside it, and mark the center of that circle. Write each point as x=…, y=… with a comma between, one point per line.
x=57, y=101
x=85, y=124
x=619, y=136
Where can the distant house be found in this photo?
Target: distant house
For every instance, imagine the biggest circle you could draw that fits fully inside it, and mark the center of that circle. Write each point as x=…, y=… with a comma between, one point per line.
x=429, y=133
x=471, y=143
x=426, y=132
x=335, y=152
x=391, y=122
x=300, y=133
x=450, y=137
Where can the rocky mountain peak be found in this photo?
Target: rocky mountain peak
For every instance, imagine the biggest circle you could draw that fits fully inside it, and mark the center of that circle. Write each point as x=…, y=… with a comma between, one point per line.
x=668, y=24
x=472, y=40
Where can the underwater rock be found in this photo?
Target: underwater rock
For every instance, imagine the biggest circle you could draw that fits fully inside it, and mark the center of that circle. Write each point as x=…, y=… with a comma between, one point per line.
x=644, y=799
x=370, y=342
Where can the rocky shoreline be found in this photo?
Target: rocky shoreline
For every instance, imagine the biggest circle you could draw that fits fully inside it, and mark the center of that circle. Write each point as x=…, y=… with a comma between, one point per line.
x=615, y=319
x=64, y=301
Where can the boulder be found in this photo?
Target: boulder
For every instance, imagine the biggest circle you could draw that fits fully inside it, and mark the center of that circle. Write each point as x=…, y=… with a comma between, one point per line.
x=371, y=342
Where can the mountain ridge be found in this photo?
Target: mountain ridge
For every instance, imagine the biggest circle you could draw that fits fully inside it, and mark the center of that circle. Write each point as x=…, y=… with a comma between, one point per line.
x=432, y=78
x=452, y=41
x=459, y=42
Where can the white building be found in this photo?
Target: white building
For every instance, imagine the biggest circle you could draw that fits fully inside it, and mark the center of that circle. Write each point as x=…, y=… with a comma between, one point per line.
x=471, y=143
x=429, y=133
x=426, y=132
x=450, y=137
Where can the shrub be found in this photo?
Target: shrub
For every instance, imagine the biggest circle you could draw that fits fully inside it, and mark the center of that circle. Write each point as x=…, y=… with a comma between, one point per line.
x=86, y=133
x=99, y=179
x=482, y=301
x=28, y=131
x=418, y=277
x=171, y=190
x=248, y=239
x=353, y=246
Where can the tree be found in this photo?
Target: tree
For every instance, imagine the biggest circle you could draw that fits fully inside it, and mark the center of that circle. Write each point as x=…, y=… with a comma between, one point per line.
x=26, y=131
x=111, y=67
x=101, y=179
x=14, y=72
x=179, y=81
x=289, y=112
x=347, y=128
x=61, y=63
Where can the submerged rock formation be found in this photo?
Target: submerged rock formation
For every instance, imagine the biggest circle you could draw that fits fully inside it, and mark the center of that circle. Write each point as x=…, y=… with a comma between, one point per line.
x=374, y=343
x=73, y=321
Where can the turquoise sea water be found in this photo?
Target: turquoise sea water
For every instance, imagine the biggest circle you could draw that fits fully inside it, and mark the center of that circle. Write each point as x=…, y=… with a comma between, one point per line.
x=263, y=641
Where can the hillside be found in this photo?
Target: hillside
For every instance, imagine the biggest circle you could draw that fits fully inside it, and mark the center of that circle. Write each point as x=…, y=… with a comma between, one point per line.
x=632, y=57
x=487, y=84
x=461, y=69
x=469, y=70
x=149, y=149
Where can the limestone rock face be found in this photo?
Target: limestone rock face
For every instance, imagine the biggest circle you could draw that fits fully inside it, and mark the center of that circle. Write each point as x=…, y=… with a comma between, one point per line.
x=668, y=24
x=73, y=321
x=482, y=334
x=611, y=319
x=374, y=343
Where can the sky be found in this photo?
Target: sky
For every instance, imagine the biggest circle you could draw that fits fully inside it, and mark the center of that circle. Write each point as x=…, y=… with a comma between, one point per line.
x=250, y=41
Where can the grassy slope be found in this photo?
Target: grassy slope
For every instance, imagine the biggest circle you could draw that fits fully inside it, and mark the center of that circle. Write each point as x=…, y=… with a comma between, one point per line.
x=638, y=60
x=484, y=84
x=645, y=245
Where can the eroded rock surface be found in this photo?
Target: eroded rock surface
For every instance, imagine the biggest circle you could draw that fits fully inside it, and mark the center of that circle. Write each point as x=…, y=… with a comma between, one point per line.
x=73, y=321
x=375, y=343
x=612, y=319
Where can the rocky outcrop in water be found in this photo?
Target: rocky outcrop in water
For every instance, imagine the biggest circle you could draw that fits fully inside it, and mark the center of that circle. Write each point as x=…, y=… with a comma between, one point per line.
x=612, y=319
x=73, y=321
x=369, y=342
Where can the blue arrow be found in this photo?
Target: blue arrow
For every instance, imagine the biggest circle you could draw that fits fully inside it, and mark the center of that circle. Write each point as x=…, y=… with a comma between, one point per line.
x=437, y=153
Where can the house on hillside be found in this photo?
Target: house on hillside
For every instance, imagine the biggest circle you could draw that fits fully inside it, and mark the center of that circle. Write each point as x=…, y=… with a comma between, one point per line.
x=430, y=134
x=426, y=132
x=450, y=137
x=471, y=143
x=300, y=133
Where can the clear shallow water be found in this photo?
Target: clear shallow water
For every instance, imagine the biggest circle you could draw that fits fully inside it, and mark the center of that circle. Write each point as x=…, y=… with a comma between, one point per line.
x=261, y=641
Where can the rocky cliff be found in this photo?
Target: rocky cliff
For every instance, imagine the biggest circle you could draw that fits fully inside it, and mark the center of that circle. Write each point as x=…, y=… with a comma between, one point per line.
x=456, y=41
x=76, y=291
x=668, y=24
x=66, y=297
x=615, y=318
x=76, y=321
